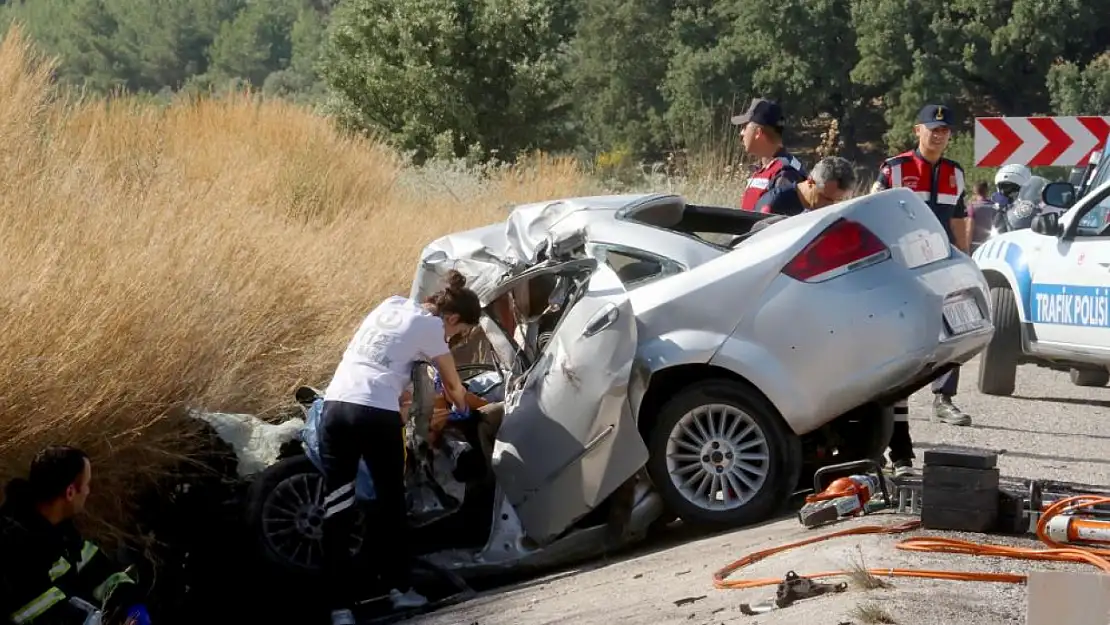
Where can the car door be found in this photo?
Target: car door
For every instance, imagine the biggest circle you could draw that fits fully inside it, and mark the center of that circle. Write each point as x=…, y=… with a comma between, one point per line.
x=569, y=439
x=1070, y=287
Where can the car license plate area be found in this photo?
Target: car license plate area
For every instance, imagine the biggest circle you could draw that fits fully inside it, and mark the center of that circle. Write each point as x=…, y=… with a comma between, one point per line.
x=963, y=315
x=924, y=248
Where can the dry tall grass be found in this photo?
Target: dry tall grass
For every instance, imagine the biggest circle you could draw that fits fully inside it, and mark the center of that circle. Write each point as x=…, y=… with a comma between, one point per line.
x=212, y=253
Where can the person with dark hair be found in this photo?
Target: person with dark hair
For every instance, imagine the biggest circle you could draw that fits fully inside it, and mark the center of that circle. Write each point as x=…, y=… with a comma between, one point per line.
x=981, y=211
x=48, y=572
x=361, y=419
x=830, y=182
x=763, y=126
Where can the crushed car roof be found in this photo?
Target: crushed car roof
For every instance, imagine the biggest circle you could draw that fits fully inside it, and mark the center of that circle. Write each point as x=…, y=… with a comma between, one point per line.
x=485, y=254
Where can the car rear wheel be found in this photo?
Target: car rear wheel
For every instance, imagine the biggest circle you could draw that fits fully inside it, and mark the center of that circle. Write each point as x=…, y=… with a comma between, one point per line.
x=1089, y=377
x=998, y=365
x=721, y=455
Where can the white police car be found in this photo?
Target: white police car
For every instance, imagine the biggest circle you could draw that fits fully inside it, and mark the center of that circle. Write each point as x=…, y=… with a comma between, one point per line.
x=1050, y=289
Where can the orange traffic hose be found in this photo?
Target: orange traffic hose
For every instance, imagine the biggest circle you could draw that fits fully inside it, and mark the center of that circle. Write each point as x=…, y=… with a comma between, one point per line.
x=1057, y=552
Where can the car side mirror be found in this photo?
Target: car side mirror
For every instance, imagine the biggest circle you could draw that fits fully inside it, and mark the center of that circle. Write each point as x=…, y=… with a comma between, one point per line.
x=1058, y=194
x=1047, y=224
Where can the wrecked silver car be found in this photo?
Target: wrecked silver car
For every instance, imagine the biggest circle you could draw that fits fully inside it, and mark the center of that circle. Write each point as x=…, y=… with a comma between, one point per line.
x=653, y=359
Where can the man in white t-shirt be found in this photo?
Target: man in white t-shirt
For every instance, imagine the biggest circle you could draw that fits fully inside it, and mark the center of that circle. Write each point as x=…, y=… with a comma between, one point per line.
x=361, y=419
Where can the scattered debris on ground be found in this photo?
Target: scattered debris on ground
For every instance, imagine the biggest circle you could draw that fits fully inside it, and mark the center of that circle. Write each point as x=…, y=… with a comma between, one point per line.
x=1045, y=438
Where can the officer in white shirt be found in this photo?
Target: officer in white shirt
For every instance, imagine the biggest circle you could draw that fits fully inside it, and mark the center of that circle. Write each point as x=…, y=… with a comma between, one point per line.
x=361, y=419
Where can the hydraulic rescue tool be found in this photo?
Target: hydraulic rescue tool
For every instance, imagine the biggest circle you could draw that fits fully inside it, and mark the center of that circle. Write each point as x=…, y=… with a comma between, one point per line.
x=846, y=496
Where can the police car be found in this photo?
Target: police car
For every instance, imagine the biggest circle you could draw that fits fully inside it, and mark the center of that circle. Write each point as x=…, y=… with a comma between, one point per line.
x=1050, y=288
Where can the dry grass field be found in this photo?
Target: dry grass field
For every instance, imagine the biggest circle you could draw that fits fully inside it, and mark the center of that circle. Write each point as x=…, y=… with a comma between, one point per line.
x=211, y=253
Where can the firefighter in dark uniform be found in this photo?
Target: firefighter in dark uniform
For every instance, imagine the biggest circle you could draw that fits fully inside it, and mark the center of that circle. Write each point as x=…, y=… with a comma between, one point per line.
x=939, y=182
x=763, y=126
x=50, y=575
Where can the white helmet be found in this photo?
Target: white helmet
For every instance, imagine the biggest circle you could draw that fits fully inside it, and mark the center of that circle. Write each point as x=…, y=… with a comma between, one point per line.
x=1014, y=174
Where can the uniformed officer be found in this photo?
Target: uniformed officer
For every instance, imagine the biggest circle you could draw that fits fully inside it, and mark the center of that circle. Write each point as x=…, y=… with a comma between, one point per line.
x=939, y=182
x=763, y=126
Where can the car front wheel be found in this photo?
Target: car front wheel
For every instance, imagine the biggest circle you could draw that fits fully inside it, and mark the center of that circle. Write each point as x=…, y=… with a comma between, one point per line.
x=286, y=516
x=721, y=455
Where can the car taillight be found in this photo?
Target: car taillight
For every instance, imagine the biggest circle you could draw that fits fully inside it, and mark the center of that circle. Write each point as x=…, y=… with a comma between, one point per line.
x=842, y=247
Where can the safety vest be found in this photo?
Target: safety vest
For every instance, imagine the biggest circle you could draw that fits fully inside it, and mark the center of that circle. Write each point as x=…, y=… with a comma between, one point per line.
x=783, y=164
x=50, y=573
x=940, y=187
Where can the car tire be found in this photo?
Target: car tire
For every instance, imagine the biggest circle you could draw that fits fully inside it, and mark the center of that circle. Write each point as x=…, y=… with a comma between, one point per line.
x=290, y=477
x=998, y=364
x=758, y=417
x=1089, y=377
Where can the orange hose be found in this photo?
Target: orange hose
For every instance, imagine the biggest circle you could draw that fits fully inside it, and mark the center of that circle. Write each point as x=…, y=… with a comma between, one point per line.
x=1057, y=552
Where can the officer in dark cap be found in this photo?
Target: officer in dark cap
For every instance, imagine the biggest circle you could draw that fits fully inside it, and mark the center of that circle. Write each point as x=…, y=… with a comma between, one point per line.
x=939, y=181
x=763, y=126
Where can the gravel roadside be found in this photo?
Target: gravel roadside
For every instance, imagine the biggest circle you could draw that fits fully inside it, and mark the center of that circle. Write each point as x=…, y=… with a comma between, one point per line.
x=1053, y=430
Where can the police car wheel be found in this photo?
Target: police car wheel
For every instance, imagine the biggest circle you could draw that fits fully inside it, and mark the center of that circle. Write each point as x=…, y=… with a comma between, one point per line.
x=1089, y=377
x=998, y=363
x=721, y=456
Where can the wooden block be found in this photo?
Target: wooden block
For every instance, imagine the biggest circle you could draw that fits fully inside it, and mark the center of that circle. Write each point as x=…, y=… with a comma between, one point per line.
x=959, y=481
x=964, y=458
x=1059, y=598
x=936, y=517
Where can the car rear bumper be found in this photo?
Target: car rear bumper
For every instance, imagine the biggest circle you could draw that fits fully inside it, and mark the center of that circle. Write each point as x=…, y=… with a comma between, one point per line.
x=876, y=333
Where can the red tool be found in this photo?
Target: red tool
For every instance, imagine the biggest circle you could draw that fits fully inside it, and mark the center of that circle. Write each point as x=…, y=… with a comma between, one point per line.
x=1076, y=528
x=846, y=496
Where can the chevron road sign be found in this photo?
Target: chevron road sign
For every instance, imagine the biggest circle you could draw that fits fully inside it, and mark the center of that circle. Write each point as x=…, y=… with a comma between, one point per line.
x=1038, y=141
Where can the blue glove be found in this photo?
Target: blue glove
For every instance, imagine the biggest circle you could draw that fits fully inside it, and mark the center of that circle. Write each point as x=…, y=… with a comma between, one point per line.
x=137, y=615
x=459, y=415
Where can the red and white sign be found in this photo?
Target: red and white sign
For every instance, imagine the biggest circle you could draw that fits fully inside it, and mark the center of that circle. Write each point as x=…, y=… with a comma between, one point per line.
x=1038, y=141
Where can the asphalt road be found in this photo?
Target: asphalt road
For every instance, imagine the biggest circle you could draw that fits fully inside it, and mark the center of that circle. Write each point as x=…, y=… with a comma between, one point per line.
x=1050, y=430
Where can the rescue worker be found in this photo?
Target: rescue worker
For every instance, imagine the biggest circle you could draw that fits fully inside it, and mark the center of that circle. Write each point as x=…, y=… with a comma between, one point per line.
x=830, y=182
x=940, y=183
x=763, y=126
x=48, y=573
x=361, y=419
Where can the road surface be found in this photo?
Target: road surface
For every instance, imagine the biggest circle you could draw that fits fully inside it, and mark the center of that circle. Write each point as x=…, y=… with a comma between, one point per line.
x=1049, y=430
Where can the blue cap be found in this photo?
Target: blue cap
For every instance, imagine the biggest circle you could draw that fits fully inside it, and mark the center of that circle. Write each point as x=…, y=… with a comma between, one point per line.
x=763, y=112
x=935, y=116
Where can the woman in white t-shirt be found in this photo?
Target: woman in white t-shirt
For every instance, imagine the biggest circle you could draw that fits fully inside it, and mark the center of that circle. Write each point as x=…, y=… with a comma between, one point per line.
x=361, y=419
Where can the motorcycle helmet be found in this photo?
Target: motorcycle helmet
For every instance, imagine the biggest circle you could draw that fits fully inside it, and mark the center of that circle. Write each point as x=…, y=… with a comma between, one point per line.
x=1010, y=179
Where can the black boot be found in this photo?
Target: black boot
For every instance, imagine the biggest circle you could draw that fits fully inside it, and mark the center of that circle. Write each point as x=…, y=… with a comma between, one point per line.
x=947, y=412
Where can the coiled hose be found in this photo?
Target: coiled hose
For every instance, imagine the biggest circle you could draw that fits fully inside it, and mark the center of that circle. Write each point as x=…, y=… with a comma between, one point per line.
x=1056, y=552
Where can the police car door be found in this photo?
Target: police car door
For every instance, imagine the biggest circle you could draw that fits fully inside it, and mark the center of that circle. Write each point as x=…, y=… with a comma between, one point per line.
x=1069, y=300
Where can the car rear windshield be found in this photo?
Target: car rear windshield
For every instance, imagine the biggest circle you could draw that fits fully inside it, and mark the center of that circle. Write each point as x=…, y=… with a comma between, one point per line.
x=715, y=225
